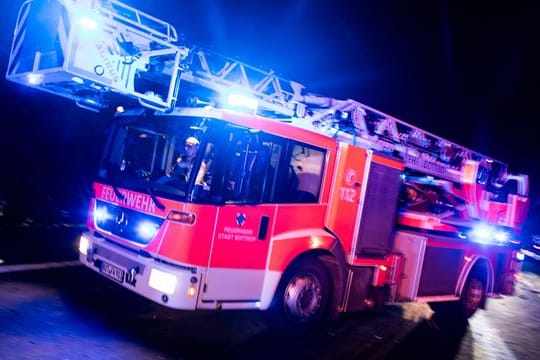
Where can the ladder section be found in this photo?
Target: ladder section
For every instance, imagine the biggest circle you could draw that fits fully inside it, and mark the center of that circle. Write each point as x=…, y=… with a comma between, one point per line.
x=86, y=49
x=356, y=123
x=346, y=120
x=139, y=20
x=275, y=96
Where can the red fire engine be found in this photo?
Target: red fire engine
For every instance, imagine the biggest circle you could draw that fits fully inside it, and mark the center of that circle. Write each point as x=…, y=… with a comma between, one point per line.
x=226, y=187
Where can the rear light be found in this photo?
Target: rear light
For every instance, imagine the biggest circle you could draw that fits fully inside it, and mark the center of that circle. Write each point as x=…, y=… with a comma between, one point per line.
x=182, y=217
x=393, y=269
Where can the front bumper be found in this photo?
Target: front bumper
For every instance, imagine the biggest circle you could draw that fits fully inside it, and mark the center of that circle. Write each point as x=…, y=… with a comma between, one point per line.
x=172, y=285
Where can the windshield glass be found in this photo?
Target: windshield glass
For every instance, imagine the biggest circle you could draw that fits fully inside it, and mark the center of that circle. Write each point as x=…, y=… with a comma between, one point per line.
x=204, y=160
x=158, y=155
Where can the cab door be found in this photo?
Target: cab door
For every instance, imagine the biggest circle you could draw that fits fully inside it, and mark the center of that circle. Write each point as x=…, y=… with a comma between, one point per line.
x=239, y=253
x=243, y=225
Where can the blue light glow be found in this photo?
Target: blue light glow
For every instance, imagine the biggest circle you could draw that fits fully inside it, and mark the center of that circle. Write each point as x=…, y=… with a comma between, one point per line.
x=501, y=236
x=101, y=215
x=488, y=234
x=88, y=23
x=482, y=232
x=241, y=101
x=78, y=80
x=147, y=229
x=34, y=79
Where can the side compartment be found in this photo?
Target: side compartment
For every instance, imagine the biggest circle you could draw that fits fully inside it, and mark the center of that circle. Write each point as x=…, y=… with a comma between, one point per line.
x=378, y=209
x=413, y=248
x=430, y=271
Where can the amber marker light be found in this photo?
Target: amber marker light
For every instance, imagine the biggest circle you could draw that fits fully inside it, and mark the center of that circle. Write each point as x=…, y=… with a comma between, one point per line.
x=182, y=217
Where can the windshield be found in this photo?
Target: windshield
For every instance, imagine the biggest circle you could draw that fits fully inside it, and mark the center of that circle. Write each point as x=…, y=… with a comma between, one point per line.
x=160, y=155
x=205, y=160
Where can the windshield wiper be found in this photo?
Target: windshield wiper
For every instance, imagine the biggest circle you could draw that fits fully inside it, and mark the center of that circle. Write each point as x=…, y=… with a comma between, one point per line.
x=119, y=195
x=158, y=204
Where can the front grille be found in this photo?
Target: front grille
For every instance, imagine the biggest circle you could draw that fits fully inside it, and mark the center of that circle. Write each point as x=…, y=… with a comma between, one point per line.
x=125, y=223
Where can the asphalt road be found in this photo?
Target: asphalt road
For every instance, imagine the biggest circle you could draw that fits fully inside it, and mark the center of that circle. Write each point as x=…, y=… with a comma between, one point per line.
x=57, y=309
x=506, y=330
x=70, y=313
x=53, y=308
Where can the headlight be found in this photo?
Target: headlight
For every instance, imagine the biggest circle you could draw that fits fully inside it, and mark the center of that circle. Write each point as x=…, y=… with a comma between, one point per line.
x=84, y=244
x=162, y=281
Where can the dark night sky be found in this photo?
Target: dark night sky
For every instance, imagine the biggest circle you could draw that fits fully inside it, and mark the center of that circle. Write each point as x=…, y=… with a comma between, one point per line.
x=466, y=70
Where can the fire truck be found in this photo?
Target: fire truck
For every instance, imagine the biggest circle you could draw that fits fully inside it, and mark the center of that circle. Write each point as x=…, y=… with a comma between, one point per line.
x=224, y=186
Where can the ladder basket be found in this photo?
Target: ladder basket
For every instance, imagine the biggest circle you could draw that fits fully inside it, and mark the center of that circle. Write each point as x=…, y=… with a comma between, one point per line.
x=86, y=49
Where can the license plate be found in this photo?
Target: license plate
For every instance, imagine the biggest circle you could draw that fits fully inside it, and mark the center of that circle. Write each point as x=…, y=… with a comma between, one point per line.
x=112, y=271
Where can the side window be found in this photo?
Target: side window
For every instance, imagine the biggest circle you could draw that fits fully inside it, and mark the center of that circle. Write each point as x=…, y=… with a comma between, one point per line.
x=511, y=186
x=261, y=174
x=482, y=176
x=249, y=172
x=204, y=181
x=255, y=167
x=301, y=174
x=204, y=175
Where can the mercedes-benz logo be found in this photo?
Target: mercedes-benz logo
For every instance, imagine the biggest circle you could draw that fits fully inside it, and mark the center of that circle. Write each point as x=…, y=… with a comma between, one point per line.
x=121, y=221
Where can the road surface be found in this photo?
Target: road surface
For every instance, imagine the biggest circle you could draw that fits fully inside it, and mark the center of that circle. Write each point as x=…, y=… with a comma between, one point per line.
x=53, y=308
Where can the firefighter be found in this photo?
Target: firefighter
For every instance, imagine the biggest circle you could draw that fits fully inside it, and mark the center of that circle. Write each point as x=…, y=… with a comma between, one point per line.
x=181, y=168
x=184, y=162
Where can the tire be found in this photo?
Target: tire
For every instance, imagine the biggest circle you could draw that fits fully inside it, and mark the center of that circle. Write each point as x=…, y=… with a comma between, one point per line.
x=302, y=299
x=472, y=296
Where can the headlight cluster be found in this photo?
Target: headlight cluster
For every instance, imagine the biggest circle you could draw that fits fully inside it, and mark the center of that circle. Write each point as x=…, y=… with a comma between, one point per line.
x=127, y=223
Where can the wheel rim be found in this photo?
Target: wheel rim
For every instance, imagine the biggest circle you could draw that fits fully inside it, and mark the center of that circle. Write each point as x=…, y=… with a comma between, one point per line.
x=474, y=294
x=303, y=296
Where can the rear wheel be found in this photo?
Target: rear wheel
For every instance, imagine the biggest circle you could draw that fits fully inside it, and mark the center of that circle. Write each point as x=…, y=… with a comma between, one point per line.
x=472, y=296
x=302, y=299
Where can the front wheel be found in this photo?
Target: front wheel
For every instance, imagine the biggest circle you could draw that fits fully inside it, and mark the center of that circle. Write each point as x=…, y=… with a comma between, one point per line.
x=302, y=299
x=472, y=296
